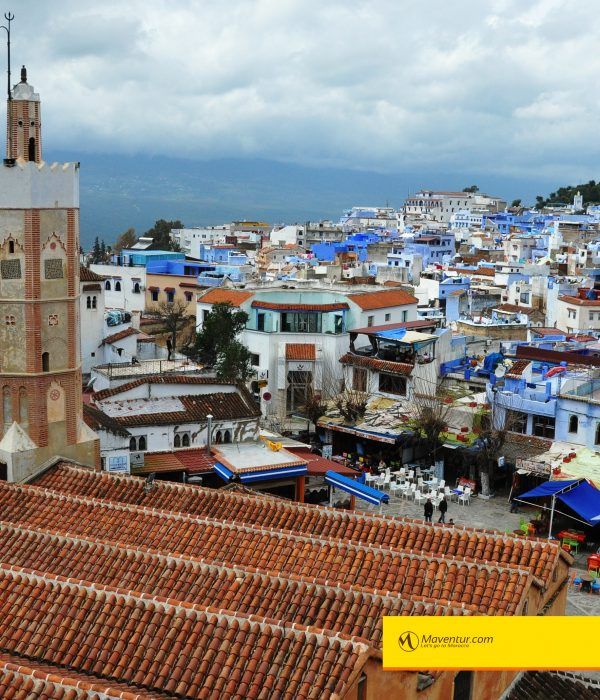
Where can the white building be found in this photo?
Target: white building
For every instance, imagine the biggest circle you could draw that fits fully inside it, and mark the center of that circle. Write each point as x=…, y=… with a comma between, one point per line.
x=124, y=287
x=296, y=337
x=169, y=413
x=190, y=239
x=91, y=315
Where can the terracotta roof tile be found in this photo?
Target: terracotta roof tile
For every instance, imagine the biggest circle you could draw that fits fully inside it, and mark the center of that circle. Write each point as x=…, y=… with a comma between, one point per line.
x=87, y=275
x=307, y=520
x=119, y=335
x=517, y=369
x=300, y=351
x=105, y=620
x=234, y=297
x=338, y=306
x=98, y=420
x=382, y=299
x=165, y=379
x=221, y=405
x=401, y=368
x=550, y=686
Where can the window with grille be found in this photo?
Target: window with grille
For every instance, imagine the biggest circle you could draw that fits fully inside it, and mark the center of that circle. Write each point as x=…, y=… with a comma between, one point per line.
x=53, y=269
x=10, y=269
x=543, y=426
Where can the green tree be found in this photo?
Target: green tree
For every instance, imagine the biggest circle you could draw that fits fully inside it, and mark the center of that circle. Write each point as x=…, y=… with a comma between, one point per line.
x=160, y=233
x=96, y=251
x=174, y=317
x=234, y=362
x=472, y=189
x=516, y=203
x=220, y=328
x=126, y=240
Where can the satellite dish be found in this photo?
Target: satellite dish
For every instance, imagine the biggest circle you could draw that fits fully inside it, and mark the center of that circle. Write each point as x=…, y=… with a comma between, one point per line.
x=500, y=371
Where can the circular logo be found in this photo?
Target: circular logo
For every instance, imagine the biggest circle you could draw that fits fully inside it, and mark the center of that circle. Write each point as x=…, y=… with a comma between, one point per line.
x=408, y=641
x=55, y=394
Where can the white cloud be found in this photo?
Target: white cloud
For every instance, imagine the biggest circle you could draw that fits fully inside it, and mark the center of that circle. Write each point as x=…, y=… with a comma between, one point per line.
x=467, y=85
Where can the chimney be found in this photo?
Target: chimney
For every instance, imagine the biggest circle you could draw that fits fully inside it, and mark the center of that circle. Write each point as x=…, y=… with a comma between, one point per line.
x=208, y=433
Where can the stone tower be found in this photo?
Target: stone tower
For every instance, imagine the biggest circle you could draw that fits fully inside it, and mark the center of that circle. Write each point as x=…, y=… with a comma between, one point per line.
x=40, y=359
x=23, y=127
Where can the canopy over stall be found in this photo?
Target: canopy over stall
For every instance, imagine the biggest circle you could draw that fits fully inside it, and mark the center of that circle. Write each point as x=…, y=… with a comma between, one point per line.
x=578, y=494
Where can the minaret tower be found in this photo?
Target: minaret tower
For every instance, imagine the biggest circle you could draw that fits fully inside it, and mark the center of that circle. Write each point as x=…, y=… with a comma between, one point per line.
x=40, y=359
x=24, y=123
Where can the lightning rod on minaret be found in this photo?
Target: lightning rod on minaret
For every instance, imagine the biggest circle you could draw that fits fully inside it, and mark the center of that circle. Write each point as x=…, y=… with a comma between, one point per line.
x=8, y=16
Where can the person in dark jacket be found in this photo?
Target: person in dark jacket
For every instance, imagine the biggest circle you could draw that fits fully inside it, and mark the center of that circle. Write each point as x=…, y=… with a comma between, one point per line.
x=443, y=510
x=428, y=510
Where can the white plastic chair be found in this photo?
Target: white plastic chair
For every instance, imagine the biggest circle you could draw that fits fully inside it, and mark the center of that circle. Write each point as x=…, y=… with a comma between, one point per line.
x=395, y=488
x=387, y=481
x=461, y=490
x=411, y=474
x=410, y=492
x=442, y=483
x=465, y=497
x=420, y=497
x=448, y=492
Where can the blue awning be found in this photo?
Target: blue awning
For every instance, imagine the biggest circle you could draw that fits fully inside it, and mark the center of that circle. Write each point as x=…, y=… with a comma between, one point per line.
x=356, y=489
x=393, y=334
x=550, y=488
x=264, y=475
x=578, y=494
x=222, y=471
x=584, y=500
x=284, y=472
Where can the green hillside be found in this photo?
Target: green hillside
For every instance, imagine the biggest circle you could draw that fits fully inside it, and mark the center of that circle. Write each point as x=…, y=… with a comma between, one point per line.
x=564, y=195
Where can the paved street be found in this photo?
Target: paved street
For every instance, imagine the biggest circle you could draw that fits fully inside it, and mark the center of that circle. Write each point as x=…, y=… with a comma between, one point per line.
x=493, y=514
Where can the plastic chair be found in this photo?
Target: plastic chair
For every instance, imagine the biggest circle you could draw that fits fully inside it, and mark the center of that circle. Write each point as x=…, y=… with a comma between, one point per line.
x=573, y=544
x=442, y=483
x=419, y=497
x=460, y=489
x=465, y=497
x=394, y=488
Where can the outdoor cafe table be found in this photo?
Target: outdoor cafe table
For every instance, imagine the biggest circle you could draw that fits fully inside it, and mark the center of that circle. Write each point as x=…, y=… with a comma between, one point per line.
x=579, y=536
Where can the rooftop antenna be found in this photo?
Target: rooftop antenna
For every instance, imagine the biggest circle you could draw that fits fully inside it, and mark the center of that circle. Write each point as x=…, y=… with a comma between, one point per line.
x=8, y=16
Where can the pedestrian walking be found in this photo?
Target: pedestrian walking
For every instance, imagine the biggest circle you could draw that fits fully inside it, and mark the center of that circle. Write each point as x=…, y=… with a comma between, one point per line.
x=428, y=510
x=443, y=509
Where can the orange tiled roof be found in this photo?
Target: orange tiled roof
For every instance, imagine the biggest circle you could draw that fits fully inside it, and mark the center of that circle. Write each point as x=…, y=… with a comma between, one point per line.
x=325, y=558
x=337, y=306
x=401, y=368
x=163, y=658
x=235, y=297
x=382, y=299
x=300, y=351
x=91, y=561
x=517, y=368
x=579, y=302
x=228, y=405
x=87, y=275
x=163, y=379
x=119, y=335
x=310, y=520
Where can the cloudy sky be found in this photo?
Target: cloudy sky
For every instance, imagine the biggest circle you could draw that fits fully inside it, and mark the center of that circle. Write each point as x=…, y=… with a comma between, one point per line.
x=502, y=86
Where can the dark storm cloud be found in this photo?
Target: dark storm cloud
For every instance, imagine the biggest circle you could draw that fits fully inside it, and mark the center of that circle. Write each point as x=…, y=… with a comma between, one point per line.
x=498, y=85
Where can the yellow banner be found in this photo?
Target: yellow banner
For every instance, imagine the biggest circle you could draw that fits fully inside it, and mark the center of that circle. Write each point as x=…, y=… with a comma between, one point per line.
x=491, y=643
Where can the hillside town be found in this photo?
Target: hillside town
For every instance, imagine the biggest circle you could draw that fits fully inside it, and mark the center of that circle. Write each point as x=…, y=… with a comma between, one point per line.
x=228, y=451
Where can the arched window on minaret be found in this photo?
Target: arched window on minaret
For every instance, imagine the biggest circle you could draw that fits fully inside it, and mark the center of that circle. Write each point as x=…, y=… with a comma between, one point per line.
x=31, y=155
x=45, y=362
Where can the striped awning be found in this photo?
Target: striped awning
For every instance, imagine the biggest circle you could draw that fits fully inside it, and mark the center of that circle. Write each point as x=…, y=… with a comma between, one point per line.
x=356, y=489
